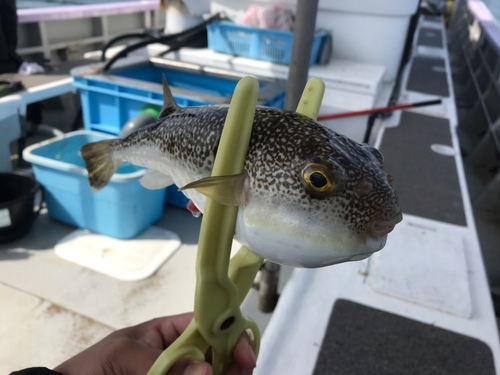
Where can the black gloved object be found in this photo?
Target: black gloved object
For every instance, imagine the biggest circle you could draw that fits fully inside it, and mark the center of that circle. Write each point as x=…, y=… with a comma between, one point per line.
x=36, y=371
x=10, y=61
x=9, y=86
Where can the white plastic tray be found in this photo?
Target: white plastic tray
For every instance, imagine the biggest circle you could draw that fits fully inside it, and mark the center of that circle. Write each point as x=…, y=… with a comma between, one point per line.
x=130, y=260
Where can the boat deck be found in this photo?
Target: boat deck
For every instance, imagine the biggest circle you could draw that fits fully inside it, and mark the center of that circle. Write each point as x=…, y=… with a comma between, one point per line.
x=57, y=308
x=53, y=309
x=422, y=304
x=404, y=310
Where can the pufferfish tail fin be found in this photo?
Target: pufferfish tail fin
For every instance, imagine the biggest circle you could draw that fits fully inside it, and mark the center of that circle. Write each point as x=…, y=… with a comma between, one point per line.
x=99, y=162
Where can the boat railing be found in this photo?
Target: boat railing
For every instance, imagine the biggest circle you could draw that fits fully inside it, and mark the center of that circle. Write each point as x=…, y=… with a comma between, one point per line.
x=46, y=31
x=474, y=45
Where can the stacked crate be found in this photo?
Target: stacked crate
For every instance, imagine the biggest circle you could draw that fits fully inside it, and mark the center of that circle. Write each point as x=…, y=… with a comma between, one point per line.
x=474, y=56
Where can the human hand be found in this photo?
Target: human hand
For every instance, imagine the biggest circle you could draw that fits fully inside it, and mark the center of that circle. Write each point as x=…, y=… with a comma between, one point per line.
x=133, y=350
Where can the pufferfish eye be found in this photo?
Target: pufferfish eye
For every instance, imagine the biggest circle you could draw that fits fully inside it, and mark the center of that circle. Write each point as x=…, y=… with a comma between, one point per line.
x=318, y=180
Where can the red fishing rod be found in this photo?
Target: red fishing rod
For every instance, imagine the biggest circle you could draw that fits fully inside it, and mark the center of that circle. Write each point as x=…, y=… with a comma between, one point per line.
x=379, y=110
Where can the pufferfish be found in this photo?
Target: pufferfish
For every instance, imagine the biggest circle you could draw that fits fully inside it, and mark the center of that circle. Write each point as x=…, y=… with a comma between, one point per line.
x=308, y=196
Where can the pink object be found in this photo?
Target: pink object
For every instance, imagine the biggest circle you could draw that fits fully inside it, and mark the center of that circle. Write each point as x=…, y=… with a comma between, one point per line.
x=269, y=17
x=251, y=17
x=192, y=208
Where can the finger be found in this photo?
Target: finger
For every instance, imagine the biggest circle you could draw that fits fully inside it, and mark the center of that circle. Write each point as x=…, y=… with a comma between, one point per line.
x=126, y=356
x=238, y=370
x=243, y=354
x=157, y=333
x=185, y=367
x=172, y=327
x=135, y=358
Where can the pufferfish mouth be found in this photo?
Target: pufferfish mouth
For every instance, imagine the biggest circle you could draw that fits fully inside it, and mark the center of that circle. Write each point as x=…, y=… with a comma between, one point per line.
x=382, y=228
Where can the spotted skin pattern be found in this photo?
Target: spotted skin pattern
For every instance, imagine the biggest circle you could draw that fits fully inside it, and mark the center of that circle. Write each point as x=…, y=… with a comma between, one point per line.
x=281, y=145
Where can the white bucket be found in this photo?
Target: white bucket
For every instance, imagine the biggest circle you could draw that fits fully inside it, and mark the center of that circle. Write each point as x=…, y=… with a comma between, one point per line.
x=176, y=21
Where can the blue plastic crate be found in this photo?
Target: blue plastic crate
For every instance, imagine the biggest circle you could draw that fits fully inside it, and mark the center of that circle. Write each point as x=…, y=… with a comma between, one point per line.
x=175, y=197
x=122, y=209
x=109, y=101
x=262, y=44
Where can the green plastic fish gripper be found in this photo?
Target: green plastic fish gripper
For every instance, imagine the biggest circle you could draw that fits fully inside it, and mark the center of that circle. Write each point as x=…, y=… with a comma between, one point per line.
x=222, y=285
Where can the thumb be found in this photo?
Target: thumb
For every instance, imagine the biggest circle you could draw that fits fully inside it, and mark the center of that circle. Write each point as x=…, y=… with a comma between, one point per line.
x=137, y=358
x=187, y=367
x=129, y=357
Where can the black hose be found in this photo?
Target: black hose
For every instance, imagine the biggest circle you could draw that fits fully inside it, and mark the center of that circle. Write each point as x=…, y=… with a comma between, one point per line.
x=121, y=37
x=195, y=40
x=7, y=81
x=369, y=126
x=9, y=86
x=164, y=39
x=148, y=33
x=397, y=85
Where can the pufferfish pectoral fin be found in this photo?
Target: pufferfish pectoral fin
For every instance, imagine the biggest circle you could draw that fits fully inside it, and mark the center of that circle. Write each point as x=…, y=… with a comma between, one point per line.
x=154, y=180
x=226, y=190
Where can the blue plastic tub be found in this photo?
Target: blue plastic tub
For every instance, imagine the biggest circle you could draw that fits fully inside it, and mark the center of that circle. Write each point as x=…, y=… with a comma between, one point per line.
x=175, y=197
x=122, y=209
x=261, y=44
x=109, y=101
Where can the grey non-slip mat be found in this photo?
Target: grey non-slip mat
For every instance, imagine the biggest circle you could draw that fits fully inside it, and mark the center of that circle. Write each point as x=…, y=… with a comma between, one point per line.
x=428, y=76
x=432, y=18
x=430, y=37
x=363, y=340
x=426, y=182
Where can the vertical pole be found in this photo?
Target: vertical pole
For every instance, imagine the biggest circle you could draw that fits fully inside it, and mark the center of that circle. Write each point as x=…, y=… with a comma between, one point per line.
x=303, y=35
x=268, y=286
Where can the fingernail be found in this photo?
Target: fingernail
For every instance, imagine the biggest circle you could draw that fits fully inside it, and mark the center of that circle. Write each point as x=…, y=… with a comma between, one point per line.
x=197, y=368
x=251, y=354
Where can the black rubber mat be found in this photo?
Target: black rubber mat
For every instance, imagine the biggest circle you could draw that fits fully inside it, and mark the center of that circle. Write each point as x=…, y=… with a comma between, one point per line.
x=426, y=182
x=430, y=37
x=428, y=75
x=363, y=340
